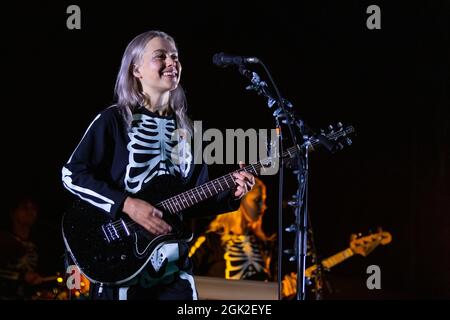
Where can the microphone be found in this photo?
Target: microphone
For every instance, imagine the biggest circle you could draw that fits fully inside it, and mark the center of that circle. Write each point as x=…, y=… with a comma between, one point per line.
x=223, y=60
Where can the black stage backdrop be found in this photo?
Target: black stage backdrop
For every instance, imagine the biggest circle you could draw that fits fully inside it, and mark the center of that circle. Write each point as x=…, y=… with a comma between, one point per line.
x=390, y=84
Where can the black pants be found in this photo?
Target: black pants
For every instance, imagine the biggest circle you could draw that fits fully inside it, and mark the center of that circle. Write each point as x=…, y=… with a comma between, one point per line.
x=181, y=287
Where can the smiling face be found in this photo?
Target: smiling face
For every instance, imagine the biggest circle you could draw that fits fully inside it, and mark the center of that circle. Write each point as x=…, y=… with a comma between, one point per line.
x=159, y=69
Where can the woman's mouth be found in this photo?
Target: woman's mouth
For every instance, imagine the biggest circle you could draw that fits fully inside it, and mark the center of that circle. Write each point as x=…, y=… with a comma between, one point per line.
x=170, y=74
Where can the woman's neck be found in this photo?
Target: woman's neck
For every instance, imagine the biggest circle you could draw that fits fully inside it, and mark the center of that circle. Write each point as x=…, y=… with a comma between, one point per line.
x=163, y=110
x=158, y=103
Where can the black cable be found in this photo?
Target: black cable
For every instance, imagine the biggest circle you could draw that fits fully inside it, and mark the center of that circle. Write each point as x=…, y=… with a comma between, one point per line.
x=302, y=216
x=280, y=220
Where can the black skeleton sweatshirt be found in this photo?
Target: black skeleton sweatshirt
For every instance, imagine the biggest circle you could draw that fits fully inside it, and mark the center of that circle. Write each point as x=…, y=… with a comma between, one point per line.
x=112, y=162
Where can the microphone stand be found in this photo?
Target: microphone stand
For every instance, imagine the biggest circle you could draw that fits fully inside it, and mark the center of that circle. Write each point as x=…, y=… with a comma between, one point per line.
x=300, y=202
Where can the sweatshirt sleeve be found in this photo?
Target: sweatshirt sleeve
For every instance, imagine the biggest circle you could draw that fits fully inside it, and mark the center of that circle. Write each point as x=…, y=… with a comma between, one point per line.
x=86, y=173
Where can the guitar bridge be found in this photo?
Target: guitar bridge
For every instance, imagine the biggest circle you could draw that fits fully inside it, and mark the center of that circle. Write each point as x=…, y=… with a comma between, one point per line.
x=110, y=232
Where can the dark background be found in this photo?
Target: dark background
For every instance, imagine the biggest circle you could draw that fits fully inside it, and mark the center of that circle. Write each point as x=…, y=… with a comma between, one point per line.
x=390, y=84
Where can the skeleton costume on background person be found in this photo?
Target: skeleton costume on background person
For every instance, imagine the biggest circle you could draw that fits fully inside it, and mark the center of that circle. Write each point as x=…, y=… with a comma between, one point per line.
x=235, y=246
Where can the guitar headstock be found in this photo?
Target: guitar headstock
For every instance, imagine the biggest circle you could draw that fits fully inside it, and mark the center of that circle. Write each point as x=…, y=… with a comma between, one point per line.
x=364, y=245
x=334, y=138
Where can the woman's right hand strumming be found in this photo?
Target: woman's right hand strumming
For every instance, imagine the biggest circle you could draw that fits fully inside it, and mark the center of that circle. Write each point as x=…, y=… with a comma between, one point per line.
x=146, y=215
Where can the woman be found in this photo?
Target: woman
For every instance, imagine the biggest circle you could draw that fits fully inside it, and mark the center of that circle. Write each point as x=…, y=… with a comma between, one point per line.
x=235, y=245
x=130, y=144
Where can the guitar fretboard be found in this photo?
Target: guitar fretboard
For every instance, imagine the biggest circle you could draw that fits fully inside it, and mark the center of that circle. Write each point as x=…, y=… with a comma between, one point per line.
x=209, y=189
x=337, y=258
x=331, y=261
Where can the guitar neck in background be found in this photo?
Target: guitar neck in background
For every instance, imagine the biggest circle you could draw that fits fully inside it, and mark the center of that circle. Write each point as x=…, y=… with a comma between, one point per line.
x=331, y=261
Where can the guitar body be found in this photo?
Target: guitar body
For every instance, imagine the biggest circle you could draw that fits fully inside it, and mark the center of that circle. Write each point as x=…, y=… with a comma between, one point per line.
x=113, y=252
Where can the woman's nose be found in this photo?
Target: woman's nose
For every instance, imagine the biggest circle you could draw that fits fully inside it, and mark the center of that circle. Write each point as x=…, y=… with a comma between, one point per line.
x=171, y=61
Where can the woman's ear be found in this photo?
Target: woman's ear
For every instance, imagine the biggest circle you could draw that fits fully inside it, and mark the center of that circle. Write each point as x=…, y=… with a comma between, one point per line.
x=136, y=72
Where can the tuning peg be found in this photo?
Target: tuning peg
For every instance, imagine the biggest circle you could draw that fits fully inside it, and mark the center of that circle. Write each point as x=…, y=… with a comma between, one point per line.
x=287, y=103
x=348, y=141
x=339, y=124
x=330, y=127
x=291, y=228
x=278, y=112
x=293, y=203
x=271, y=102
x=289, y=251
x=322, y=131
x=285, y=121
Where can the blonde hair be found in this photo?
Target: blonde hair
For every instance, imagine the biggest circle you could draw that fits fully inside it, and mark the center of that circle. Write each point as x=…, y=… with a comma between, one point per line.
x=235, y=222
x=128, y=89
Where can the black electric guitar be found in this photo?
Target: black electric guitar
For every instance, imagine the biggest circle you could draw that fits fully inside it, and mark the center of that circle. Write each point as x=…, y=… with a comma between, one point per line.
x=113, y=252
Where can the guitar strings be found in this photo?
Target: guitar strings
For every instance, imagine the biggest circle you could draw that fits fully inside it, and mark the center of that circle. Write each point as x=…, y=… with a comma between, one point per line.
x=177, y=201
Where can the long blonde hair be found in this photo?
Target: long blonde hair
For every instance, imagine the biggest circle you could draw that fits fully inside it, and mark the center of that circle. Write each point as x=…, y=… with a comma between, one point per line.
x=235, y=222
x=128, y=89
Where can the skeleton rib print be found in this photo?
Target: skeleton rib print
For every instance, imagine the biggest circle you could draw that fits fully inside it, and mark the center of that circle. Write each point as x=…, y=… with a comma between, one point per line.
x=242, y=257
x=150, y=151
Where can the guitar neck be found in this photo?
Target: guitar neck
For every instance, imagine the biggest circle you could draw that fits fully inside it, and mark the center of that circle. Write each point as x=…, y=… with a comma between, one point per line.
x=337, y=258
x=331, y=261
x=209, y=189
